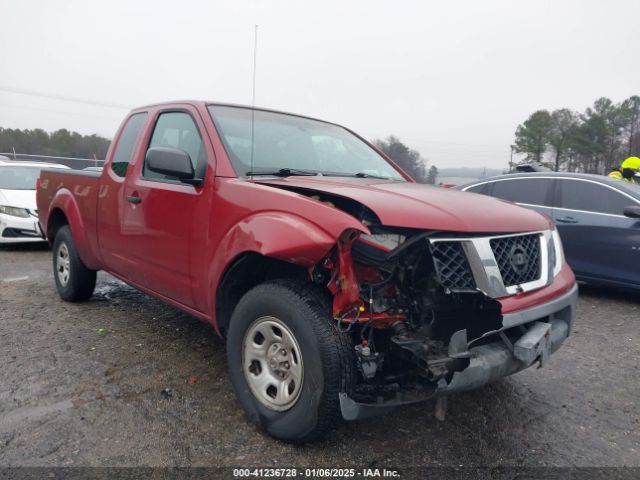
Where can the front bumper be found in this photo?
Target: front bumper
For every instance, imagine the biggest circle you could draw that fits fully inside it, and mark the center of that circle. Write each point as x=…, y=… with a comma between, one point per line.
x=19, y=230
x=547, y=326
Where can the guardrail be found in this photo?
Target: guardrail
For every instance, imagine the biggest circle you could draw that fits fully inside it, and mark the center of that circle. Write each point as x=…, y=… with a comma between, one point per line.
x=72, y=162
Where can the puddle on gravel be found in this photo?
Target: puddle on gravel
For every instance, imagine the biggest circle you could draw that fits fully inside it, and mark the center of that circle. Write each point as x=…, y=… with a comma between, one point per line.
x=117, y=291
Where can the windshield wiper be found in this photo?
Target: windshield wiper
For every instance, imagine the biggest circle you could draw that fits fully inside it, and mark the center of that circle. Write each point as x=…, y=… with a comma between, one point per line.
x=283, y=172
x=369, y=175
x=358, y=175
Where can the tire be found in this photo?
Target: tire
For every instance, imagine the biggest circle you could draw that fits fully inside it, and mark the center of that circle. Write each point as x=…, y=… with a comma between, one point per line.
x=323, y=355
x=74, y=281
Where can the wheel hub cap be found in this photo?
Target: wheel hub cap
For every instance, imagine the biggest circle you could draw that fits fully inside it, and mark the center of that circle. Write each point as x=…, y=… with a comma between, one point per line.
x=63, y=264
x=272, y=363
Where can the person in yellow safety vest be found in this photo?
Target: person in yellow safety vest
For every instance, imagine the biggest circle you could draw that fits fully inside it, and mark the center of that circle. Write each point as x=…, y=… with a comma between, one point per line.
x=627, y=170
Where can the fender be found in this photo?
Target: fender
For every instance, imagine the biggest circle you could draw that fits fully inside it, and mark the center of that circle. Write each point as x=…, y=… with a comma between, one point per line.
x=66, y=202
x=281, y=235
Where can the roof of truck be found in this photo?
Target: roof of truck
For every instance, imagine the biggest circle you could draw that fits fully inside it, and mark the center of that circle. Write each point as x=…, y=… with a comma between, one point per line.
x=236, y=105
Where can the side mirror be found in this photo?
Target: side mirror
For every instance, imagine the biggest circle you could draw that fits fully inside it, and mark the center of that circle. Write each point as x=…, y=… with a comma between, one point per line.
x=632, y=212
x=170, y=161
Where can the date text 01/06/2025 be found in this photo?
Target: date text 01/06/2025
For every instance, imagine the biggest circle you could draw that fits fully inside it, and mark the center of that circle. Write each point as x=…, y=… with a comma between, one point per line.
x=315, y=473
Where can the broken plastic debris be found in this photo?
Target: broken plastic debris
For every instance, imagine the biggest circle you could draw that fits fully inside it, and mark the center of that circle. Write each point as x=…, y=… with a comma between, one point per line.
x=166, y=392
x=193, y=380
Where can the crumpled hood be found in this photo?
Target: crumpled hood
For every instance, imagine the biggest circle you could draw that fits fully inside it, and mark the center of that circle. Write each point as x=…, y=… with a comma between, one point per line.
x=414, y=205
x=19, y=198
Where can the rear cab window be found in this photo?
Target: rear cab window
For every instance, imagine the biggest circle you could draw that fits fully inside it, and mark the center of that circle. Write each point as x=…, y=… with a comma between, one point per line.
x=126, y=143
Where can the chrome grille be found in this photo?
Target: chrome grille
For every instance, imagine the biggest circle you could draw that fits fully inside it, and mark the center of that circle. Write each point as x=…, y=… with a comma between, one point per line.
x=518, y=258
x=451, y=265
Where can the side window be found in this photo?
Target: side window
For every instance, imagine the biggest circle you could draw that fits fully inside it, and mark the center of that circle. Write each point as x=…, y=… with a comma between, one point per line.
x=533, y=191
x=126, y=144
x=176, y=130
x=482, y=188
x=591, y=197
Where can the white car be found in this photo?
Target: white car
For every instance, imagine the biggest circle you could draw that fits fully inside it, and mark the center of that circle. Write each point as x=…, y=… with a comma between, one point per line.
x=18, y=211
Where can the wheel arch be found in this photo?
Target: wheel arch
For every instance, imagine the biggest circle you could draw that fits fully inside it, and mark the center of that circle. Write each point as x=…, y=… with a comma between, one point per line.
x=64, y=210
x=245, y=272
x=280, y=243
x=57, y=220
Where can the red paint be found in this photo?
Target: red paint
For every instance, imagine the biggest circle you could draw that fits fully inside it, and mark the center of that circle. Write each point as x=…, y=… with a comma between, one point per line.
x=378, y=320
x=80, y=212
x=366, y=273
x=414, y=205
x=344, y=283
x=179, y=241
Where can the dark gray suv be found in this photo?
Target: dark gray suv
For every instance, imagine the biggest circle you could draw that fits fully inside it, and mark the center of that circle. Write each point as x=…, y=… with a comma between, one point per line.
x=598, y=219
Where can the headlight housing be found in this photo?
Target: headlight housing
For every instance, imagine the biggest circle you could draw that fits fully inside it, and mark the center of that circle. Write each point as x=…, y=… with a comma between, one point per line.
x=556, y=252
x=384, y=241
x=14, y=211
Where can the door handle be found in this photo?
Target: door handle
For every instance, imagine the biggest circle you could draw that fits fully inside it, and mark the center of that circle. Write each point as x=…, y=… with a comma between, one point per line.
x=133, y=199
x=566, y=220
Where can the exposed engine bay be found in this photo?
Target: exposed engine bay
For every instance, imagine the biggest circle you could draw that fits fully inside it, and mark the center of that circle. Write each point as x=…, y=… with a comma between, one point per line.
x=409, y=330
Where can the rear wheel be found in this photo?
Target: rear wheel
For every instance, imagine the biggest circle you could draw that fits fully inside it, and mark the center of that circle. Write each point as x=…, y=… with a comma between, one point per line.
x=288, y=362
x=74, y=281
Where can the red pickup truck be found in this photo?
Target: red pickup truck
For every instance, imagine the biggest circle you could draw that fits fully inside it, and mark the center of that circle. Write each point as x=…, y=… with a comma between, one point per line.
x=343, y=288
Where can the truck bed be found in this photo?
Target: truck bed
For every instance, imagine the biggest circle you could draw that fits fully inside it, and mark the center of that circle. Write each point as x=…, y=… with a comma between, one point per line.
x=74, y=192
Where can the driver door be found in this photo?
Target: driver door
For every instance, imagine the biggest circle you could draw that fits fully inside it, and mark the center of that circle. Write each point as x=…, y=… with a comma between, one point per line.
x=159, y=218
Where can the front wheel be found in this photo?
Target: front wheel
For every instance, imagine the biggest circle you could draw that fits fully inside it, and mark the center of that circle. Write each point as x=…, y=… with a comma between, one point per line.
x=74, y=281
x=288, y=362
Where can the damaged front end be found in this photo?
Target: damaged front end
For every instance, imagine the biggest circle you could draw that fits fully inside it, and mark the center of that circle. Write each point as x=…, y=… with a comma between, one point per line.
x=424, y=312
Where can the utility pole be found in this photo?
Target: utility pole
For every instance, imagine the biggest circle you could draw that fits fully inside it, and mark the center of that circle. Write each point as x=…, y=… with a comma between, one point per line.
x=512, y=147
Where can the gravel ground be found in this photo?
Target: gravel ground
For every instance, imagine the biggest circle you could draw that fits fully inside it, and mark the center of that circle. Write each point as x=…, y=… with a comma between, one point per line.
x=81, y=385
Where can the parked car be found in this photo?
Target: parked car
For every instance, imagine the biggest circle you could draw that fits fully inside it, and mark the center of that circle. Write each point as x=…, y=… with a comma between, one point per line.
x=18, y=212
x=343, y=288
x=598, y=219
x=532, y=167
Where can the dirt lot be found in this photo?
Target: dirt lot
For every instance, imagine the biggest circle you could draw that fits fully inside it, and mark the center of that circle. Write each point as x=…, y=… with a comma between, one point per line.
x=81, y=385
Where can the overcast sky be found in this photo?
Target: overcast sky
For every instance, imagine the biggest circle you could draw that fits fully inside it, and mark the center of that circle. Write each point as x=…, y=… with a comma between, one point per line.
x=451, y=79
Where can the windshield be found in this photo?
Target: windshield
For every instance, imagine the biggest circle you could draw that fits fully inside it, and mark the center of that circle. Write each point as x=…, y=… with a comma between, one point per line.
x=18, y=178
x=283, y=141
